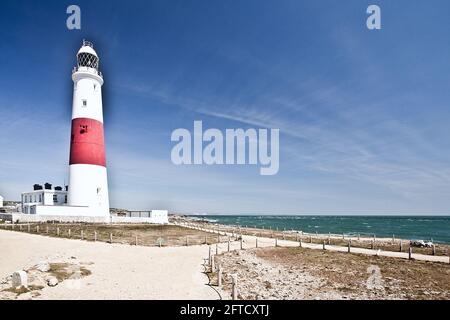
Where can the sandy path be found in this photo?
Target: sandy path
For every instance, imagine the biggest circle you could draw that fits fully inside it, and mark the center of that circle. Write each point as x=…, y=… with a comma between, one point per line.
x=118, y=271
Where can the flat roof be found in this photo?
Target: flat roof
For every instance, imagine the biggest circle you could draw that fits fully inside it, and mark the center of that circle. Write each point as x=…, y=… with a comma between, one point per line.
x=46, y=190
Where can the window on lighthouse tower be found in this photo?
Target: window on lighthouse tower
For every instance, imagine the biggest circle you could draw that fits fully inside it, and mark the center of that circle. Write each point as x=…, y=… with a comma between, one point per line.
x=83, y=129
x=87, y=60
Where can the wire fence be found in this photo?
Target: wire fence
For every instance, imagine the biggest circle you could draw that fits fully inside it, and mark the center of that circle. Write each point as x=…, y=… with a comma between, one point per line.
x=364, y=241
x=143, y=235
x=187, y=233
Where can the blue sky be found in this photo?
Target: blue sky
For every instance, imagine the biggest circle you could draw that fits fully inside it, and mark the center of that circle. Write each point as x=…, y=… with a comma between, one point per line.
x=363, y=115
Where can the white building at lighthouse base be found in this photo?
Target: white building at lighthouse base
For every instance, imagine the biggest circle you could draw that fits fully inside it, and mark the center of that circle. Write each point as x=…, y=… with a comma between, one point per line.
x=68, y=214
x=47, y=203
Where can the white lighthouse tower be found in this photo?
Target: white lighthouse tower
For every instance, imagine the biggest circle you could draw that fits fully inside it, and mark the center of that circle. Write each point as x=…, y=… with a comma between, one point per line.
x=88, y=183
x=86, y=197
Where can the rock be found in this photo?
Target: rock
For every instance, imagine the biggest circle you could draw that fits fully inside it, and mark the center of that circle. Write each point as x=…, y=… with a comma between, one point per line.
x=52, y=281
x=19, y=279
x=43, y=266
x=36, y=281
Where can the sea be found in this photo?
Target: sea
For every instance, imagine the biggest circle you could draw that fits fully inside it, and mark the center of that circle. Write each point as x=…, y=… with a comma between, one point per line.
x=434, y=228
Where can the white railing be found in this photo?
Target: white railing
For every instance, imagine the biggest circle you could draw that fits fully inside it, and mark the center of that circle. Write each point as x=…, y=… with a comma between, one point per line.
x=88, y=44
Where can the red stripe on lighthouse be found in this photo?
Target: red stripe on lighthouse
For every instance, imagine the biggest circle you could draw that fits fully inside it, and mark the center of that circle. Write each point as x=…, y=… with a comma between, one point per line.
x=87, y=144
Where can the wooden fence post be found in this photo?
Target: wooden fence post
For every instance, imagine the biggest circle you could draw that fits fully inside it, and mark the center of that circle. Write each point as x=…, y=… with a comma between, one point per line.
x=213, y=267
x=300, y=243
x=47, y=230
x=219, y=277
x=241, y=241
x=324, y=245
x=110, y=238
x=276, y=242
x=82, y=235
x=401, y=245
x=187, y=241
x=95, y=236
x=349, y=245
x=310, y=239
x=256, y=242
x=37, y=229
x=206, y=241
x=234, y=284
x=410, y=253
x=209, y=255
x=135, y=240
x=29, y=227
x=57, y=231
x=434, y=250
x=373, y=244
x=217, y=248
x=70, y=232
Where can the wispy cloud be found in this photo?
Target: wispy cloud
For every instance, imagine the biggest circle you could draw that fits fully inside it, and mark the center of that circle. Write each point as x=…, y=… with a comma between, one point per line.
x=334, y=131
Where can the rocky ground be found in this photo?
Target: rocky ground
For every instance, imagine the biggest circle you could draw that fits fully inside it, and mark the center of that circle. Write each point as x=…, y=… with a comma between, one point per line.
x=296, y=273
x=67, y=272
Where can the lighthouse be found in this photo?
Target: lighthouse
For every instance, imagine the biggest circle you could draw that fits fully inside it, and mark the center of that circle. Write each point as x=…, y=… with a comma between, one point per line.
x=88, y=182
x=86, y=197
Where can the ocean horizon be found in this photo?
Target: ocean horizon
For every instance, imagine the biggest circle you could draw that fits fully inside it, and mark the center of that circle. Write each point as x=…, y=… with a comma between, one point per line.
x=434, y=228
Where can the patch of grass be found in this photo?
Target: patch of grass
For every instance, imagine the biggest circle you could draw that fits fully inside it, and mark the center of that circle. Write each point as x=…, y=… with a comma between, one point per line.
x=147, y=234
x=35, y=287
x=63, y=271
x=21, y=290
x=18, y=290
